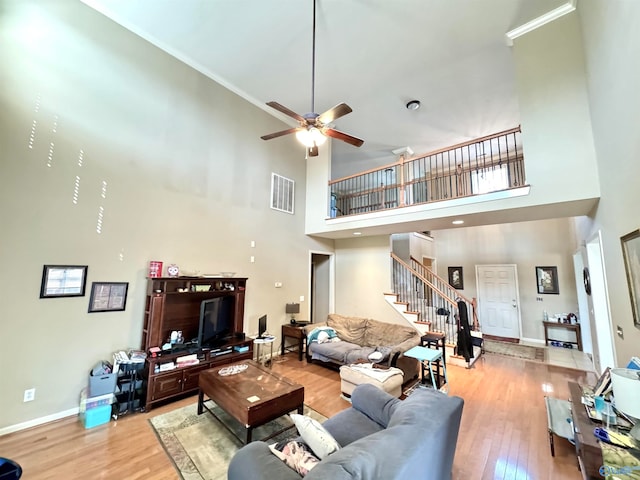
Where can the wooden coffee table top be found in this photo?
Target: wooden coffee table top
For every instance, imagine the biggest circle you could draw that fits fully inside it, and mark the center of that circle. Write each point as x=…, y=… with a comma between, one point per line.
x=253, y=397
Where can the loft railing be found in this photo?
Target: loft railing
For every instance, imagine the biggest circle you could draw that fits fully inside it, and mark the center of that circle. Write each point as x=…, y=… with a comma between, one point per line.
x=487, y=164
x=432, y=297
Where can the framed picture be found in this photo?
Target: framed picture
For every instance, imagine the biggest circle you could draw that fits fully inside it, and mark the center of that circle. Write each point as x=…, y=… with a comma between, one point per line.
x=547, y=280
x=108, y=296
x=631, y=254
x=63, y=281
x=455, y=278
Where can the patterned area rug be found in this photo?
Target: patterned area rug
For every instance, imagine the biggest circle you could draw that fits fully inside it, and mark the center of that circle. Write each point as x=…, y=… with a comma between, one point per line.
x=201, y=448
x=509, y=349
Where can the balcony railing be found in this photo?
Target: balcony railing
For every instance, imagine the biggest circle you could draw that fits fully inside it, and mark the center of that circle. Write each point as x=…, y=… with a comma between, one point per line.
x=487, y=164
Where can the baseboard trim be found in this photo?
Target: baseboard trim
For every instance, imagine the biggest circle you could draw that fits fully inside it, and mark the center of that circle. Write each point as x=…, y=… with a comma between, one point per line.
x=39, y=421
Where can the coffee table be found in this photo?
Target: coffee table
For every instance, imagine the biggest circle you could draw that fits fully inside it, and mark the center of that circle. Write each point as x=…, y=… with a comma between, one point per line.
x=253, y=397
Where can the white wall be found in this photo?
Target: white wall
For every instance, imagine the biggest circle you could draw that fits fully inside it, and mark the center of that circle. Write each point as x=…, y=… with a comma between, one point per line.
x=525, y=244
x=187, y=182
x=363, y=268
x=612, y=43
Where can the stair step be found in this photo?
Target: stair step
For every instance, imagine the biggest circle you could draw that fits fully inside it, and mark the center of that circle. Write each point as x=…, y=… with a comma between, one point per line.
x=406, y=304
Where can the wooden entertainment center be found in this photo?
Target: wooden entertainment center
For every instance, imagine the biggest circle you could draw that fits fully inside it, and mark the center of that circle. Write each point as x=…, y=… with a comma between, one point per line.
x=173, y=304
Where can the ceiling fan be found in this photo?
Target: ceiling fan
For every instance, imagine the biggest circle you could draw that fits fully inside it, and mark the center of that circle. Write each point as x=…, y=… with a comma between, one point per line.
x=314, y=129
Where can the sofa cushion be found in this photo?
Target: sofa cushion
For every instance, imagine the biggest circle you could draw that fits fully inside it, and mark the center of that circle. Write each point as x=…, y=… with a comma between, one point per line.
x=349, y=329
x=383, y=333
x=315, y=435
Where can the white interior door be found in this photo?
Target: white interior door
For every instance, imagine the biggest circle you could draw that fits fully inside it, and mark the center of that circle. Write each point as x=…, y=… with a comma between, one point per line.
x=498, y=300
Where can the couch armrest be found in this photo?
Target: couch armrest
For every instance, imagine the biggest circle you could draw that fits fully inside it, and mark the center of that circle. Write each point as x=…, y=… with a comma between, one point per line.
x=402, y=347
x=375, y=403
x=256, y=461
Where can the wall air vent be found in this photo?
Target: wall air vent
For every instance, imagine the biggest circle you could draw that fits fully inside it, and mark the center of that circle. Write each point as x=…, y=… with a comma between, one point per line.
x=282, y=193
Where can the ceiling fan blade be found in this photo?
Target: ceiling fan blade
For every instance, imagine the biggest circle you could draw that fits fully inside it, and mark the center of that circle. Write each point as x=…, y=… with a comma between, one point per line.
x=330, y=132
x=334, y=113
x=280, y=134
x=286, y=111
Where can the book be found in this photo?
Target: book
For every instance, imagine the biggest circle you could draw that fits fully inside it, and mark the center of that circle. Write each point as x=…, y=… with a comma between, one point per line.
x=603, y=384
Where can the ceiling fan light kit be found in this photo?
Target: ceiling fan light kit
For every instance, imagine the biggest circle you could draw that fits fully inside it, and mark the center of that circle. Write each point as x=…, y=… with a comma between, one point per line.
x=314, y=129
x=310, y=136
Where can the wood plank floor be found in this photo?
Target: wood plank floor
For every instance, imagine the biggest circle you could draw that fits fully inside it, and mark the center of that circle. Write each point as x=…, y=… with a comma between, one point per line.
x=503, y=433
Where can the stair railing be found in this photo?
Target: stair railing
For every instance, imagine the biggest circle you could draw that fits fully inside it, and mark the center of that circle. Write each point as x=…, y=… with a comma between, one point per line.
x=444, y=286
x=432, y=304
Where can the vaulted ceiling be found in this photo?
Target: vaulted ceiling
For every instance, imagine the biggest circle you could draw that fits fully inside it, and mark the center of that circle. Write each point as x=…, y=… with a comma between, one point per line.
x=374, y=55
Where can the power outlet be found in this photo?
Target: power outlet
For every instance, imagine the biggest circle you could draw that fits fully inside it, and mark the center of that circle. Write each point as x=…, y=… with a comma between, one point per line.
x=29, y=395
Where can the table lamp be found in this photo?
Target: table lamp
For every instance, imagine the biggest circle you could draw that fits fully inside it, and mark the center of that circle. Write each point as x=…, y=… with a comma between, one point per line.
x=292, y=308
x=626, y=392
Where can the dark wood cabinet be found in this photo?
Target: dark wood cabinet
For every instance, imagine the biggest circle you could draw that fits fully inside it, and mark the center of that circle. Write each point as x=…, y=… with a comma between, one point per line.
x=174, y=304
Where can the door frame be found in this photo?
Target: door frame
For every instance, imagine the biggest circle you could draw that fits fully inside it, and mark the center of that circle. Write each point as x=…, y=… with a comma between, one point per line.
x=516, y=286
x=311, y=282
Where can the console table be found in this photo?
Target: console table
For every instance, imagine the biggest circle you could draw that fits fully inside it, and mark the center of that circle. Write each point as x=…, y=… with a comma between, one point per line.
x=572, y=327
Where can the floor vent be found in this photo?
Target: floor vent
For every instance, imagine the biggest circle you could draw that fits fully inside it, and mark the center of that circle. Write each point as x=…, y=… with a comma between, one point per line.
x=282, y=193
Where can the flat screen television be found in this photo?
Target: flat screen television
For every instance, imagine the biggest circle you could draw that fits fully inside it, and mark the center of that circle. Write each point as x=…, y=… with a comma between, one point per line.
x=216, y=321
x=262, y=326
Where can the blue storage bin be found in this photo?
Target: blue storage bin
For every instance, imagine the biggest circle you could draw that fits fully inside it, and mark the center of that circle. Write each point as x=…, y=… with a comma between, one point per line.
x=93, y=417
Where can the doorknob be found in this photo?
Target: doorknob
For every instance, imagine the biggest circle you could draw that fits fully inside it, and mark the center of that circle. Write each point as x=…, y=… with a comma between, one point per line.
x=514, y=304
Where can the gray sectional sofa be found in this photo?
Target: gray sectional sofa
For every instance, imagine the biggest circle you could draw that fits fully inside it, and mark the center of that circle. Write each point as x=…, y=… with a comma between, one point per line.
x=381, y=437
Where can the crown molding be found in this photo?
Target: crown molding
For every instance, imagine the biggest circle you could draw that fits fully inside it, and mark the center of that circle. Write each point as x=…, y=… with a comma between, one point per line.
x=538, y=22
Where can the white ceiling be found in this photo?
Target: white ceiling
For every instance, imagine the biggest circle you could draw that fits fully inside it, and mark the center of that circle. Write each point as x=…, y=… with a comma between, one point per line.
x=374, y=55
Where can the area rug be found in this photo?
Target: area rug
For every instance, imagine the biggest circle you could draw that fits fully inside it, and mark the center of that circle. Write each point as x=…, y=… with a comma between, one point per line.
x=201, y=448
x=515, y=350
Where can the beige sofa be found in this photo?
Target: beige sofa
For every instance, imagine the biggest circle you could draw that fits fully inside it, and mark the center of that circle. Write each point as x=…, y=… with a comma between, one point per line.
x=359, y=337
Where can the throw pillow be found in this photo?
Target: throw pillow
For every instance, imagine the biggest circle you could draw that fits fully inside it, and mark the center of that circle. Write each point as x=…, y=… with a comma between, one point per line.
x=315, y=435
x=296, y=455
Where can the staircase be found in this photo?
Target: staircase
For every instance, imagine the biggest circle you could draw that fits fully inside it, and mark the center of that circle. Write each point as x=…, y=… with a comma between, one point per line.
x=429, y=303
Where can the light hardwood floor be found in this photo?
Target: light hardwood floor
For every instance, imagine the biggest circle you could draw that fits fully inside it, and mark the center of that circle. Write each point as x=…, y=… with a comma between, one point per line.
x=503, y=433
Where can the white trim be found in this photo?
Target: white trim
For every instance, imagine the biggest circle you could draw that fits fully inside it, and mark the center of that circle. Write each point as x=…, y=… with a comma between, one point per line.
x=531, y=25
x=532, y=340
x=332, y=279
x=39, y=421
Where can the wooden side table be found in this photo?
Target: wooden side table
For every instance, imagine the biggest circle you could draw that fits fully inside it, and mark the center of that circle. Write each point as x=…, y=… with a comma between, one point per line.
x=296, y=332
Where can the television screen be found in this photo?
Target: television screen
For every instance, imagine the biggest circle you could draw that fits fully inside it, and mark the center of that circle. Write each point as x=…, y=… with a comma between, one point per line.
x=262, y=325
x=216, y=321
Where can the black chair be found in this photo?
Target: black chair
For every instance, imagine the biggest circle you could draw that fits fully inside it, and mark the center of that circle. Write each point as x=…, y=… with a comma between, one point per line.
x=9, y=470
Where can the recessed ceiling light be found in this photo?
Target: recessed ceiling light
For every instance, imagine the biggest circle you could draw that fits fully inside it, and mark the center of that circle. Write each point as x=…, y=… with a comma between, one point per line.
x=413, y=105
x=458, y=222
x=357, y=233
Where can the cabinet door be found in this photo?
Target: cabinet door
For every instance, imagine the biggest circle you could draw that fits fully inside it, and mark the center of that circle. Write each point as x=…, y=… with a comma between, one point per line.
x=166, y=385
x=191, y=377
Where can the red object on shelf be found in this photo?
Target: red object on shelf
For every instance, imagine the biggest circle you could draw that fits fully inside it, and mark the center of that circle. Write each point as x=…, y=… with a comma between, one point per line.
x=155, y=269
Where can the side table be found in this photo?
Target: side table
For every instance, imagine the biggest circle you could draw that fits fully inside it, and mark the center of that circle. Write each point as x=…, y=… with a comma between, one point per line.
x=261, y=355
x=296, y=332
x=429, y=356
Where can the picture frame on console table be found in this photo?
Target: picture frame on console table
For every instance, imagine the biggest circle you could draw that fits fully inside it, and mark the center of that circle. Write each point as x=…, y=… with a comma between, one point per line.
x=547, y=280
x=631, y=255
x=108, y=296
x=63, y=281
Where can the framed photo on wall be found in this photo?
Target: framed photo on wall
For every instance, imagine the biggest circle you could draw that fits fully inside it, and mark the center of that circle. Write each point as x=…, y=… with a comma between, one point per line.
x=631, y=254
x=547, y=280
x=63, y=281
x=108, y=296
x=455, y=278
